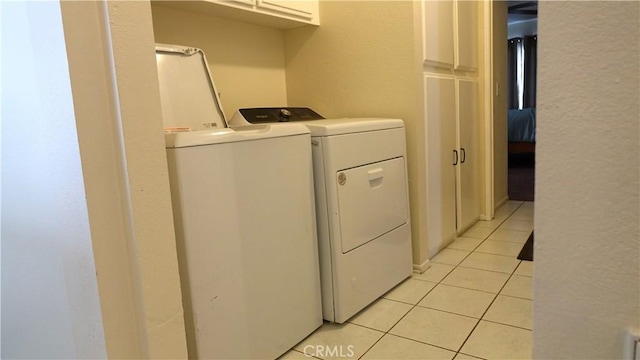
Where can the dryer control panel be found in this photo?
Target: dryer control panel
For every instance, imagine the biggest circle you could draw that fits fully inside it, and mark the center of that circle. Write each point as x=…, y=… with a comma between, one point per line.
x=278, y=114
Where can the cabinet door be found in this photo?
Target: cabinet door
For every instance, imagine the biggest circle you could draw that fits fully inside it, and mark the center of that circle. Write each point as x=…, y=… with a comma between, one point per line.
x=277, y=14
x=239, y=2
x=468, y=171
x=438, y=32
x=466, y=35
x=440, y=110
x=302, y=8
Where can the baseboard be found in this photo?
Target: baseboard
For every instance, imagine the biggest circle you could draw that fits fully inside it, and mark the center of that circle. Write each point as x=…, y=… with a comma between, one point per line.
x=501, y=202
x=421, y=268
x=464, y=229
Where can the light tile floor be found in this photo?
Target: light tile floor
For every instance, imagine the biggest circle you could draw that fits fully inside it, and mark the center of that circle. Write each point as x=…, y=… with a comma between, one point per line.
x=475, y=301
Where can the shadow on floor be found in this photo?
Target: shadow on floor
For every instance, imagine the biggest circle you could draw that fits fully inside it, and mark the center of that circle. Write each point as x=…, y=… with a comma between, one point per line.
x=521, y=176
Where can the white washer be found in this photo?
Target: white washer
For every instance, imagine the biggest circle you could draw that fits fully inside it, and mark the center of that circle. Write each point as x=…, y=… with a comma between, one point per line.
x=362, y=207
x=245, y=224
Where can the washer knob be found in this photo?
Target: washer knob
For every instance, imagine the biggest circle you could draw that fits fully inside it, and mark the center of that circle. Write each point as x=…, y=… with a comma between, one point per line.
x=284, y=115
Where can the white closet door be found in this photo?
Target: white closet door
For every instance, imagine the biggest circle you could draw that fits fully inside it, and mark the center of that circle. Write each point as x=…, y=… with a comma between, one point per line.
x=440, y=108
x=466, y=35
x=468, y=170
x=438, y=33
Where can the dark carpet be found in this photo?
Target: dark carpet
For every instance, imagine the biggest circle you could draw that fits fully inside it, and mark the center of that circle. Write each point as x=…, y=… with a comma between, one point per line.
x=522, y=175
x=527, y=250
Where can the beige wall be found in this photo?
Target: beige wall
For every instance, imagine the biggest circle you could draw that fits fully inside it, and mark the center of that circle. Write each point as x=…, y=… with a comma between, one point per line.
x=91, y=170
x=500, y=150
x=50, y=297
x=104, y=178
x=586, y=281
x=360, y=62
x=246, y=61
x=147, y=181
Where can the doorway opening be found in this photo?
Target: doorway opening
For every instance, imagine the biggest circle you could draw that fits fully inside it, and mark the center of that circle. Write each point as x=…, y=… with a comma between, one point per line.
x=522, y=27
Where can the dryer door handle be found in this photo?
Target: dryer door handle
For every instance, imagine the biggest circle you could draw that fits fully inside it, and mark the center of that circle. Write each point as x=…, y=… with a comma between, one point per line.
x=375, y=174
x=375, y=177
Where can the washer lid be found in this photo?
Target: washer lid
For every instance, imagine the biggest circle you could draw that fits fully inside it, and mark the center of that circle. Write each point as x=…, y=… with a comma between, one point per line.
x=187, y=92
x=180, y=139
x=330, y=127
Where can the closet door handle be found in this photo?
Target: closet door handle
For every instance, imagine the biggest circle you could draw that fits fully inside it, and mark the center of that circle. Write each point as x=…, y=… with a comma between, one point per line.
x=455, y=157
x=464, y=155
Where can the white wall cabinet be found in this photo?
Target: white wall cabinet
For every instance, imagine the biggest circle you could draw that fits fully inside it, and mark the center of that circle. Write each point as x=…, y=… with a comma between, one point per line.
x=453, y=162
x=467, y=168
x=281, y=14
x=453, y=136
x=466, y=25
x=438, y=26
x=440, y=116
x=449, y=34
x=305, y=9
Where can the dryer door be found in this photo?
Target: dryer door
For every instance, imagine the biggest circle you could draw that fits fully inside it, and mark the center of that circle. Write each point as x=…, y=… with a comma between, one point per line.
x=372, y=200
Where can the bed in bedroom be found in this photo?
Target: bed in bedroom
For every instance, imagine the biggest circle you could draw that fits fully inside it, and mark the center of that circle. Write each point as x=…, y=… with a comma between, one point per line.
x=522, y=130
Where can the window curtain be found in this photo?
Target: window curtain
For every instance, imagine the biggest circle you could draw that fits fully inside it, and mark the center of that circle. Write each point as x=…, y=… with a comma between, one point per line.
x=522, y=56
x=530, y=64
x=514, y=47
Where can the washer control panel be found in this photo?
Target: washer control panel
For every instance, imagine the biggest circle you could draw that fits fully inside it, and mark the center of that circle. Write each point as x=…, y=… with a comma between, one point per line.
x=278, y=114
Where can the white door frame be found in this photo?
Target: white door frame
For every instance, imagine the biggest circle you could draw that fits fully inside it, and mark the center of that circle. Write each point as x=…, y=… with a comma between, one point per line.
x=487, y=73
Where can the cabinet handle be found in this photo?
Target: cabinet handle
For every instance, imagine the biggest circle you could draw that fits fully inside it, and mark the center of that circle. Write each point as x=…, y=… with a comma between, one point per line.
x=464, y=155
x=455, y=157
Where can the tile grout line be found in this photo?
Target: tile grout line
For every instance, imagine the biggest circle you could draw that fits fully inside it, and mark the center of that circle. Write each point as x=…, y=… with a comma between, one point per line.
x=499, y=291
x=413, y=306
x=488, y=307
x=494, y=298
x=450, y=312
x=496, y=295
x=423, y=342
x=449, y=273
x=509, y=325
x=397, y=335
x=475, y=356
x=300, y=352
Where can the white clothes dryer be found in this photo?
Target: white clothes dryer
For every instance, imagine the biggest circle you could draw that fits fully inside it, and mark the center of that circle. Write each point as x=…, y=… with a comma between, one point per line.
x=244, y=214
x=362, y=205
